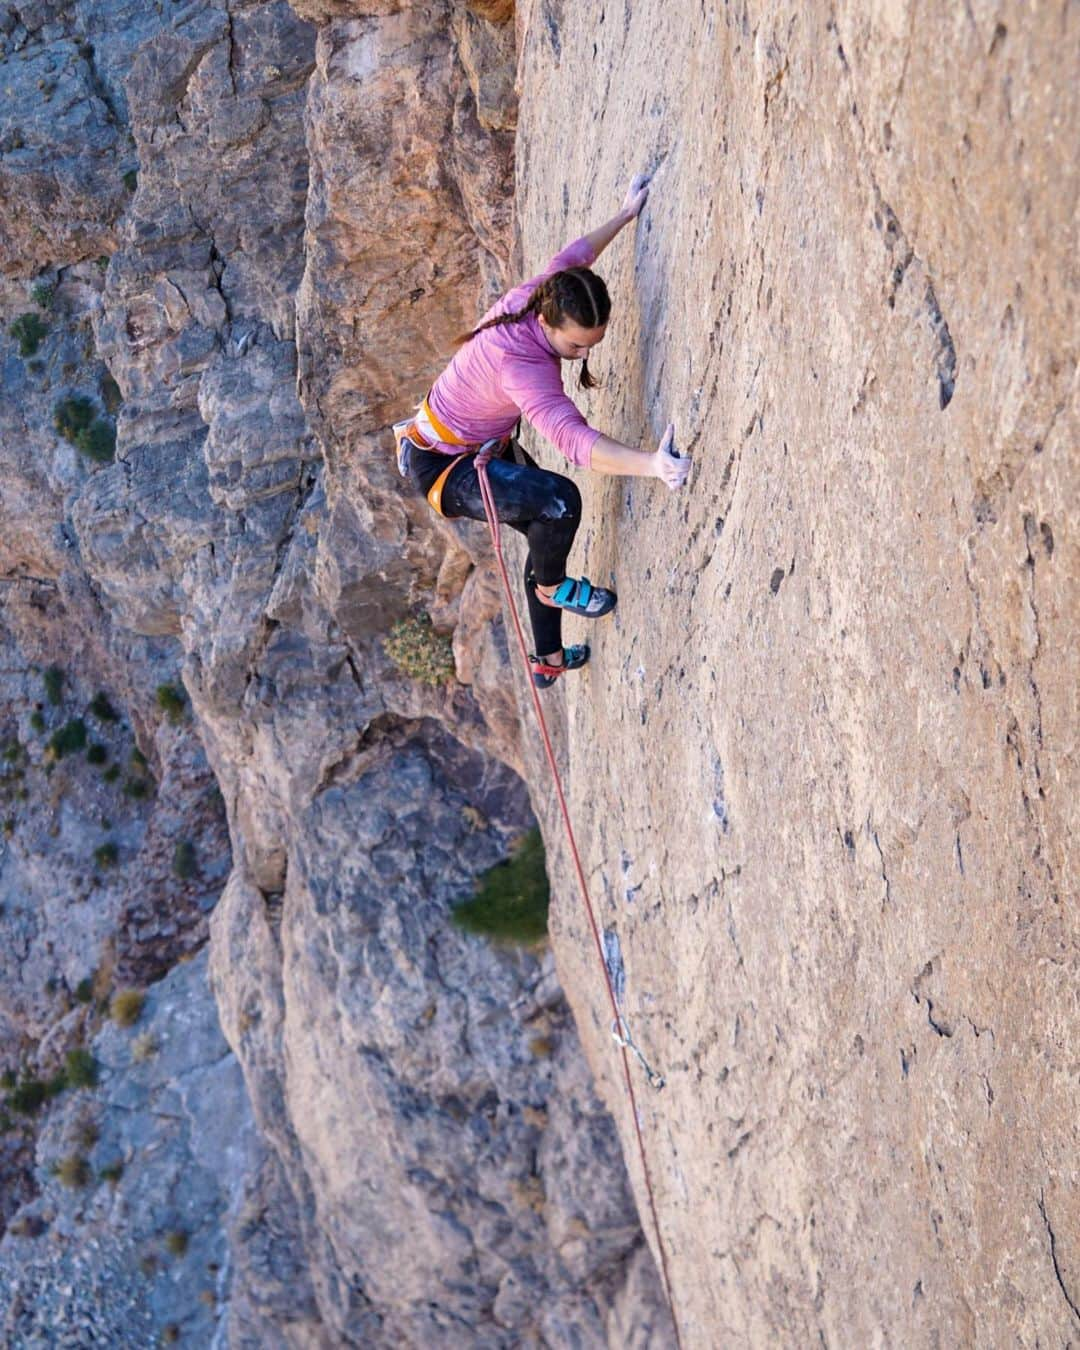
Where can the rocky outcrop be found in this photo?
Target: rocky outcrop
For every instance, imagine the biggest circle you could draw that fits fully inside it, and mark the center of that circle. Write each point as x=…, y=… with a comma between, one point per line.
x=823, y=766
x=433, y=1163
x=142, y=1174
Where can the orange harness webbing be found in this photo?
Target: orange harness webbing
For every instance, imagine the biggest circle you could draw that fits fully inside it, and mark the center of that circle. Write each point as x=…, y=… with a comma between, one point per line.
x=446, y=437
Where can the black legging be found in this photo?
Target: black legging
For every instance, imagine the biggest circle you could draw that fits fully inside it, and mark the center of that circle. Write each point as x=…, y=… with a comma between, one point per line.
x=545, y=507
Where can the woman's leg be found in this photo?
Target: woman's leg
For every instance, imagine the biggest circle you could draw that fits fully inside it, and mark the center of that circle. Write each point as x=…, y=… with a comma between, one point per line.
x=546, y=508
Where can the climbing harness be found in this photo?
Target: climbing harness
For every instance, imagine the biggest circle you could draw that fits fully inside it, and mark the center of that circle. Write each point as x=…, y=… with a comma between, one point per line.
x=409, y=433
x=624, y=1041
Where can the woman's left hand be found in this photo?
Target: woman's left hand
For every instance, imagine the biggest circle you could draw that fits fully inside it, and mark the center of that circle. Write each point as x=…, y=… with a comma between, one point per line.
x=636, y=195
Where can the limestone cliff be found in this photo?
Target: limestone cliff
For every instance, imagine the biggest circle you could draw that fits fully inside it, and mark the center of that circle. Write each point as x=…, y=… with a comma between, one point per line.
x=822, y=766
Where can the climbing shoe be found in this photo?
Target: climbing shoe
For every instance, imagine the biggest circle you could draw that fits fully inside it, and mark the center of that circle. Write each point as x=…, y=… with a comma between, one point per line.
x=544, y=676
x=579, y=596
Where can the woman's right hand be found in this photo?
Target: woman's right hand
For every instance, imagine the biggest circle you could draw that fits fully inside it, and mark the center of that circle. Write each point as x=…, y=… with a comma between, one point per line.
x=668, y=466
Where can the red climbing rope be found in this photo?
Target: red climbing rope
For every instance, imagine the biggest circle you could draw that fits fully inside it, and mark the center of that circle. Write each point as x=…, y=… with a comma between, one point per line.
x=482, y=458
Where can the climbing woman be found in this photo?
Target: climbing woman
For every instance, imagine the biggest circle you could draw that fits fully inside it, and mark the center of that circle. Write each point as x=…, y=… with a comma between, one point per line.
x=509, y=367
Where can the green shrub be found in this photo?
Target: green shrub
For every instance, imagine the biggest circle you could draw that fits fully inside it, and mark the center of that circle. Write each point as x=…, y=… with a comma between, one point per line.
x=112, y=1173
x=73, y=1171
x=185, y=860
x=26, y=1097
x=105, y=855
x=29, y=330
x=7, y=1079
x=97, y=442
x=37, y=722
x=84, y=991
x=69, y=738
x=126, y=1006
x=419, y=651
x=80, y=1069
x=43, y=294
x=102, y=709
x=9, y=826
x=112, y=773
x=131, y=179
x=96, y=753
x=176, y=1242
x=511, y=901
x=172, y=701
x=53, y=680
x=76, y=419
x=138, y=759
x=137, y=788
x=74, y=414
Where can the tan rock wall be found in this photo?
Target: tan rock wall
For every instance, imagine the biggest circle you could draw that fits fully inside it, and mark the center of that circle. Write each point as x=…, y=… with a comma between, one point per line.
x=824, y=764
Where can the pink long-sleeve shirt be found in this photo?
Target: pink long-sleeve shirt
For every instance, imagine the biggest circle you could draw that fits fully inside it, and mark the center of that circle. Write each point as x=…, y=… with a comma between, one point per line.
x=511, y=371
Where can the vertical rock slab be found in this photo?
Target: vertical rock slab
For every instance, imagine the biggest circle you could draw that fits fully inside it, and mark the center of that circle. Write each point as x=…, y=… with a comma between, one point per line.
x=823, y=762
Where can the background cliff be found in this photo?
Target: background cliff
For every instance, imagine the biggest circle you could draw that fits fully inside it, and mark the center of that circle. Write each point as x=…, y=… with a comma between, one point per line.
x=234, y=244
x=823, y=765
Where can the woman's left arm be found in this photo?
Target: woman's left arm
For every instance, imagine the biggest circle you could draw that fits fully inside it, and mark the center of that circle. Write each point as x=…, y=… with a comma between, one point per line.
x=636, y=196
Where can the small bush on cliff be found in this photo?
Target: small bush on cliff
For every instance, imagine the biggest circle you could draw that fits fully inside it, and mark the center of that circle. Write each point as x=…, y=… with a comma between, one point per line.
x=102, y=709
x=53, y=680
x=73, y=1171
x=69, y=738
x=77, y=420
x=511, y=902
x=419, y=651
x=172, y=701
x=80, y=1069
x=29, y=331
x=26, y=1097
x=126, y=1007
x=105, y=855
x=185, y=860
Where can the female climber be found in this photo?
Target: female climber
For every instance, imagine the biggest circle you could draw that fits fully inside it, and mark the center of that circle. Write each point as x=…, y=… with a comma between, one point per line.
x=509, y=367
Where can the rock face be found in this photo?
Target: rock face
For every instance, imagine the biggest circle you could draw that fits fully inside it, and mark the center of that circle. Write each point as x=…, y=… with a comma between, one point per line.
x=287, y=253
x=824, y=765
x=142, y=1175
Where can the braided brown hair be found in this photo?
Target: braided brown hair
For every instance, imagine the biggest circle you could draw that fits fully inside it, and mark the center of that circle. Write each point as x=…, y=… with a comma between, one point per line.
x=577, y=294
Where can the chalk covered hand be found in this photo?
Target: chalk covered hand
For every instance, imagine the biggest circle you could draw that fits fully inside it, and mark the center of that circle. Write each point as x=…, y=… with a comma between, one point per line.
x=636, y=195
x=669, y=465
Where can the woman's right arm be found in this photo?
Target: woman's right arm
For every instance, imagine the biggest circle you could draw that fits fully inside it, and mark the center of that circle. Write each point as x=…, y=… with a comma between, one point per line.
x=611, y=456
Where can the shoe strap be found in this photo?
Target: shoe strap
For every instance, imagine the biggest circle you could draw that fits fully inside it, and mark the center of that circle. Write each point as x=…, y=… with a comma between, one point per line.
x=542, y=668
